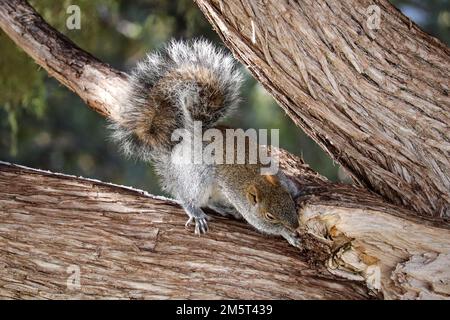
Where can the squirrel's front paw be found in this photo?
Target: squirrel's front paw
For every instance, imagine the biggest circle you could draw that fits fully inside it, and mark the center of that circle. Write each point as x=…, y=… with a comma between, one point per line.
x=292, y=238
x=201, y=225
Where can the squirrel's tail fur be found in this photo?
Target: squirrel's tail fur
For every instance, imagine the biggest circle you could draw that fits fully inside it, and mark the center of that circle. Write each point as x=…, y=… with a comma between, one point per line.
x=184, y=82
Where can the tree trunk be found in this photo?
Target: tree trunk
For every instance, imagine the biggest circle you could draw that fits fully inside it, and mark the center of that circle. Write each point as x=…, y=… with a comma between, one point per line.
x=376, y=99
x=129, y=244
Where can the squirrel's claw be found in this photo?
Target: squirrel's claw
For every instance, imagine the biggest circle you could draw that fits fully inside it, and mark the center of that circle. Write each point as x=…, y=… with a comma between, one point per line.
x=295, y=241
x=201, y=226
x=197, y=215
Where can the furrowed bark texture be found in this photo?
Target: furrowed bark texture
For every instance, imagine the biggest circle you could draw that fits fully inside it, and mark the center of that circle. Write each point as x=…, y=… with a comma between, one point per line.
x=128, y=244
x=359, y=236
x=376, y=99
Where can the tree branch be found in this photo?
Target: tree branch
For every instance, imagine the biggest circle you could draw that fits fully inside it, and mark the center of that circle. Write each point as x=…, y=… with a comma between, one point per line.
x=359, y=236
x=376, y=100
x=129, y=244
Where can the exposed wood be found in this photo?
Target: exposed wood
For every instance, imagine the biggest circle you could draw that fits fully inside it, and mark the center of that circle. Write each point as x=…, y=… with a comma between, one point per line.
x=128, y=244
x=377, y=100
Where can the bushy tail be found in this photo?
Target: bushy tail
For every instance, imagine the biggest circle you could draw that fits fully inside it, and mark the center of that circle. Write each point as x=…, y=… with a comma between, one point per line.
x=184, y=82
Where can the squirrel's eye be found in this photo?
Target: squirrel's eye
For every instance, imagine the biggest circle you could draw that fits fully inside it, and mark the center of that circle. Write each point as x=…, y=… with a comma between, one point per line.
x=270, y=217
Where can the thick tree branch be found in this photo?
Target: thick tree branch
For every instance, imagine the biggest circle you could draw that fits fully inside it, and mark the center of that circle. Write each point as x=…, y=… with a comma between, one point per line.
x=376, y=100
x=99, y=85
x=49, y=222
x=357, y=235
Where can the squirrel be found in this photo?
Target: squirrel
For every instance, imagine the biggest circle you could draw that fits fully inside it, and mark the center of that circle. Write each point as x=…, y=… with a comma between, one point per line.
x=189, y=81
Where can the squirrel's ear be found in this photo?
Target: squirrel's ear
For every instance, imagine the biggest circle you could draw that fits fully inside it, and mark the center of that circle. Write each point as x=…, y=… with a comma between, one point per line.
x=253, y=194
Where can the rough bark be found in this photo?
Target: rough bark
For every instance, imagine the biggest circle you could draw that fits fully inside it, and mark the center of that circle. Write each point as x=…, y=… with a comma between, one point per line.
x=123, y=240
x=357, y=235
x=376, y=100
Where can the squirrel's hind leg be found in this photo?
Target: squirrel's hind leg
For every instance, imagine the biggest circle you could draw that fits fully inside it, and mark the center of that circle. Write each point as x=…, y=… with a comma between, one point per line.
x=198, y=216
x=225, y=211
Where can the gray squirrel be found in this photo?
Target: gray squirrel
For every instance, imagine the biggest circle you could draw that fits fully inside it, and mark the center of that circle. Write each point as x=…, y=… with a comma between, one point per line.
x=191, y=81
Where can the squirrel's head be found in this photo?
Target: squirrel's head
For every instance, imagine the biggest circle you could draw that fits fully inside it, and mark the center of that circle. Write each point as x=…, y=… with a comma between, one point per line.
x=273, y=202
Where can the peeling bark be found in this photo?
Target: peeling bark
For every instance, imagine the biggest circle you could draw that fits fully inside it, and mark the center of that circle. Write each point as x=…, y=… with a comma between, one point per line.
x=358, y=236
x=424, y=276
x=376, y=100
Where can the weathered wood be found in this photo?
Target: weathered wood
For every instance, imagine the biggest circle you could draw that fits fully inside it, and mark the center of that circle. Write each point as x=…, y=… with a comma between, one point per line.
x=376, y=99
x=359, y=236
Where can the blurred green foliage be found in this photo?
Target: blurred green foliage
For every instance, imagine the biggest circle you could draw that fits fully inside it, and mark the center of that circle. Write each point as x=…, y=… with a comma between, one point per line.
x=44, y=125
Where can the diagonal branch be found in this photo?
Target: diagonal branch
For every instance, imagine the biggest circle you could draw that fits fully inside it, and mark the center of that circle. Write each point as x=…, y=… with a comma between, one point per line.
x=49, y=222
x=95, y=82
